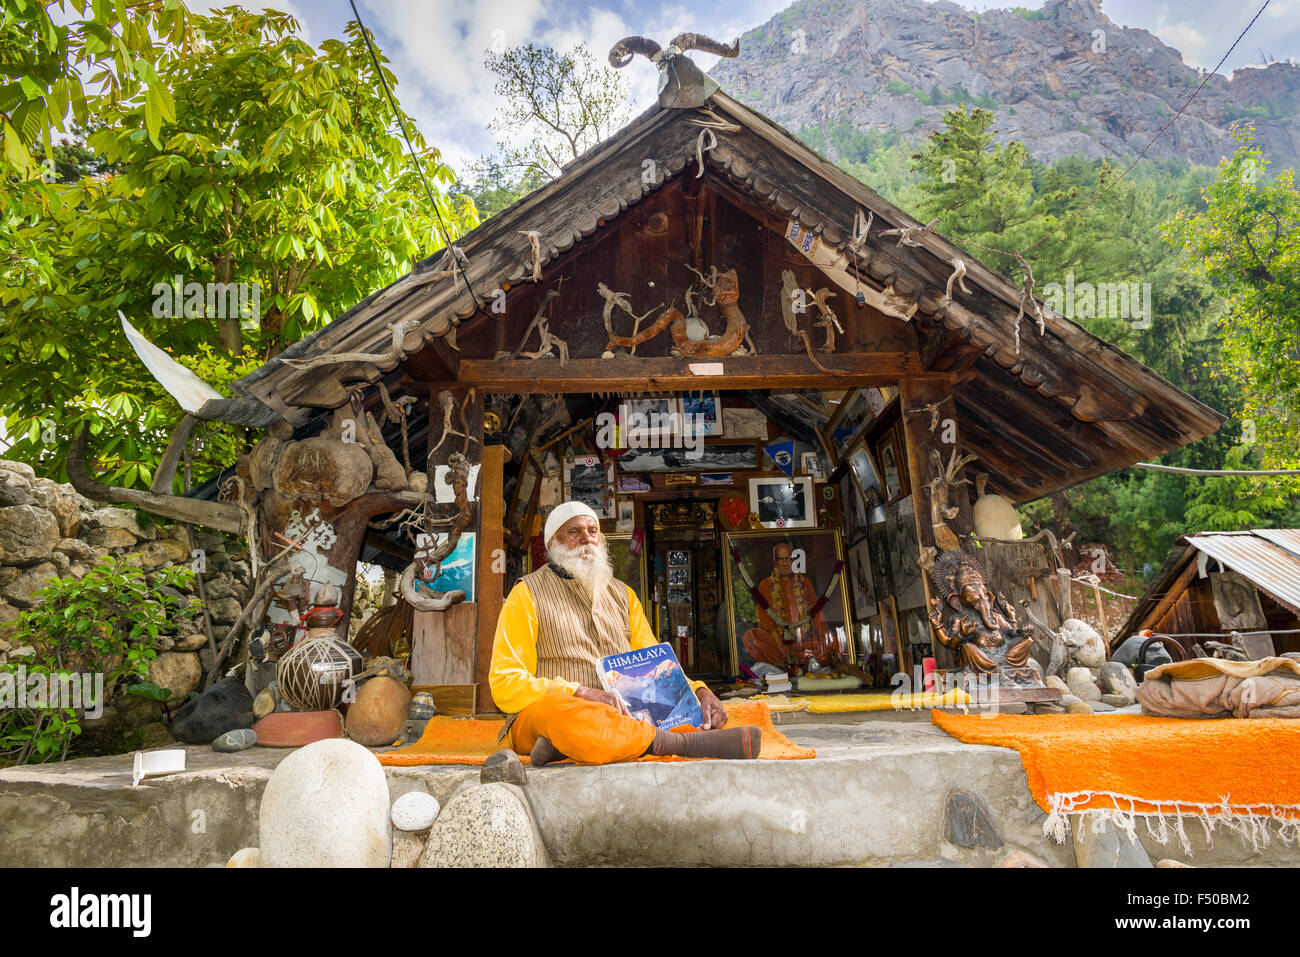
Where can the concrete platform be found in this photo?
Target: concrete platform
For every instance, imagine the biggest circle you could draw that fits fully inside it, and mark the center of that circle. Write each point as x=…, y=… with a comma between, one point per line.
x=875, y=796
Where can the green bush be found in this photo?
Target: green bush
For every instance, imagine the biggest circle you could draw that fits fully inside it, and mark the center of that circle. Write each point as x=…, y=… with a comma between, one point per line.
x=107, y=622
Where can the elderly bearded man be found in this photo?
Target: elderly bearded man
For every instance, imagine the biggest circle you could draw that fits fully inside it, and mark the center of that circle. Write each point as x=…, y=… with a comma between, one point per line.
x=555, y=626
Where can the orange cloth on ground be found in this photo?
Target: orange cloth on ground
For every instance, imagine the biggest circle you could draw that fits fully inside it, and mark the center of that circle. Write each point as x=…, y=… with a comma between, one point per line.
x=1147, y=764
x=470, y=741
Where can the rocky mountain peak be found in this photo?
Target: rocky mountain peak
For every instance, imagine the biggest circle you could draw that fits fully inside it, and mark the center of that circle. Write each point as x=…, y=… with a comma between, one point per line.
x=1065, y=79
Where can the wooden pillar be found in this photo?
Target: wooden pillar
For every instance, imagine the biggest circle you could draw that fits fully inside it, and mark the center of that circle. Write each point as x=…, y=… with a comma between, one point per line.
x=927, y=434
x=450, y=644
x=491, y=564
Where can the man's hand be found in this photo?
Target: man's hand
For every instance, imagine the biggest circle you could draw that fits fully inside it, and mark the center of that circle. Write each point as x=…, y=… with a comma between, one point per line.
x=604, y=697
x=714, y=715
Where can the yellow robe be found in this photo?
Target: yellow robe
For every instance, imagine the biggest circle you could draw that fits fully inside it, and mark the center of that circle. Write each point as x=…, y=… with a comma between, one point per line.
x=513, y=676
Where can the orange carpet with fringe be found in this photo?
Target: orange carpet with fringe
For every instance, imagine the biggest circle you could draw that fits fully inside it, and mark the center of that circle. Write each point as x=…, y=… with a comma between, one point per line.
x=470, y=741
x=1148, y=765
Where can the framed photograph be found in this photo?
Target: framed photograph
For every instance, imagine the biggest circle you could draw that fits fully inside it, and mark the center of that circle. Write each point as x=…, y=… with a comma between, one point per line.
x=810, y=463
x=915, y=625
x=458, y=568
x=744, y=424
x=864, y=594
x=857, y=410
x=879, y=545
x=679, y=558
x=588, y=480
x=891, y=636
x=626, y=514
x=904, y=550
x=650, y=421
x=629, y=568
x=865, y=475
x=853, y=513
x=889, y=455
x=771, y=581
x=704, y=408
x=703, y=458
x=783, y=503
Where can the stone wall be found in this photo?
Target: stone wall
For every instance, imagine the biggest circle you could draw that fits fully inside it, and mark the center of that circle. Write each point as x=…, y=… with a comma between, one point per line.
x=48, y=530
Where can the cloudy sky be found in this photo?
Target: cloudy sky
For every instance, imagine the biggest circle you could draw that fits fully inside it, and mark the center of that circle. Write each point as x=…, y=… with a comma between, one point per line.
x=436, y=46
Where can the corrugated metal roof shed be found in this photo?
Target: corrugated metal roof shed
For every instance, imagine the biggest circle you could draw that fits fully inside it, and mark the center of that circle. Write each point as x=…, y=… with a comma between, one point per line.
x=1268, y=557
x=1288, y=538
x=1273, y=564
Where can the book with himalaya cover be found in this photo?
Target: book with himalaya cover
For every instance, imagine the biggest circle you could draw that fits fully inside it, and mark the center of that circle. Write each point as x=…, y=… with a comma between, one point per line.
x=653, y=686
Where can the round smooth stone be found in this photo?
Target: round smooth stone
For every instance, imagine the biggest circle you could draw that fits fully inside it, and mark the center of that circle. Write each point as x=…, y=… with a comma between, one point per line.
x=415, y=811
x=236, y=740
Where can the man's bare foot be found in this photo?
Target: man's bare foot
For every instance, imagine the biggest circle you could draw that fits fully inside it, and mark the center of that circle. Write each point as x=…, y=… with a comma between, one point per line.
x=544, y=753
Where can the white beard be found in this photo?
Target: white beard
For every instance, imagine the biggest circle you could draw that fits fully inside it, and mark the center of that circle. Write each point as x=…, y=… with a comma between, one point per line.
x=589, y=564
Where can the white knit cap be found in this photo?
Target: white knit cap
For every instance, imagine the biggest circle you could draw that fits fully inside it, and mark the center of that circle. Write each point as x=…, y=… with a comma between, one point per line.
x=562, y=513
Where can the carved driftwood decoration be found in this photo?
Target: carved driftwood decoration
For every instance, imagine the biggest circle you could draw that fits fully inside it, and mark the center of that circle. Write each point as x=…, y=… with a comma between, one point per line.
x=619, y=300
x=549, y=342
x=428, y=566
x=726, y=292
x=979, y=627
x=394, y=355
x=316, y=495
x=908, y=235
x=958, y=276
x=621, y=54
x=932, y=410
x=941, y=487
x=1027, y=299
x=828, y=320
x=790, y=292
x=534, y=241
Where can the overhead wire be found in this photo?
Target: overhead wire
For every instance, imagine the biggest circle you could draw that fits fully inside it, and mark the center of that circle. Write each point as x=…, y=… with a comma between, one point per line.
x=419, y=168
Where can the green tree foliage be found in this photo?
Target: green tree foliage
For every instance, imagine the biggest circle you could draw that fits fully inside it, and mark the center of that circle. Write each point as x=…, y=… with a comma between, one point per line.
x=276, y=166
x=42, y=62
x=557, y=106
x=981, y=192
x=1154, y=227
x=1248, y=239
x=107, y=622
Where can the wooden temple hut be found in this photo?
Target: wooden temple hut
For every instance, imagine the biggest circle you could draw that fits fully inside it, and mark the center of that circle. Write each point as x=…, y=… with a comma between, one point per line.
x=853, y=367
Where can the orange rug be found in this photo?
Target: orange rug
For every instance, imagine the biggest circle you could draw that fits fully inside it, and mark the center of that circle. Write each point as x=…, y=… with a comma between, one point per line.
x=1241, y=772
x=470, y=741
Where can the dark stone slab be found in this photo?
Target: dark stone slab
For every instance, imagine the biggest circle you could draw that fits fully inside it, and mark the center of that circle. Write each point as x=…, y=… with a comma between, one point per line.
x=225, y=706
x=966, y=822
x=503, y=766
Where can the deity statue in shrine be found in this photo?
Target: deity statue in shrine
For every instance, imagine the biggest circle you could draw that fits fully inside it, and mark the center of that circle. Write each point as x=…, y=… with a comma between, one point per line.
x=978, y=626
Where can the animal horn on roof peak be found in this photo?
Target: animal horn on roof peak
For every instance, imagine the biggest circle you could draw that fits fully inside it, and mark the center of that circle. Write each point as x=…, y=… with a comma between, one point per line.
x=698, y=41
x=622, y=52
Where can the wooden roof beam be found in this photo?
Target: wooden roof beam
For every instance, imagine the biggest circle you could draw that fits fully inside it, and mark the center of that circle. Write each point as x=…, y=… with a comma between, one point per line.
x=674, y=375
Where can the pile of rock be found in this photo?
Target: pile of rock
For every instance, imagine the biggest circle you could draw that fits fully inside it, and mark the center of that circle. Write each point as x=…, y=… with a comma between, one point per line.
x=1091, y=683
x=48, y=530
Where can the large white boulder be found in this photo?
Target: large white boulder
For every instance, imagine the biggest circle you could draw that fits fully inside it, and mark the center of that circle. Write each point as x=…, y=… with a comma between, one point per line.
x=486, y=825
x=1083, y=685
x=326, y=805
x=1084, y=646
